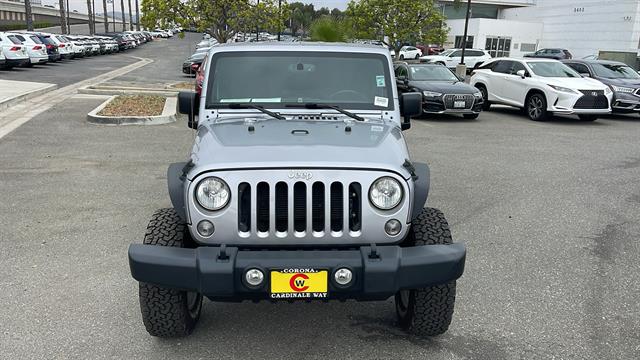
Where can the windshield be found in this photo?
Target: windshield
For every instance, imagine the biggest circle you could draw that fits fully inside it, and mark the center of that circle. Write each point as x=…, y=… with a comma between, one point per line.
x=275, y=79
x=433, y=73
x=552, y=69
x=614, y=71
x=446, y=52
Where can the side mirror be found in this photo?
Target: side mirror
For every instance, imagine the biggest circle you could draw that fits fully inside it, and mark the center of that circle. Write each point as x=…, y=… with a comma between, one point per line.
x=585, y=75
x=410, y=105
x=522, y=73
x=188, y=104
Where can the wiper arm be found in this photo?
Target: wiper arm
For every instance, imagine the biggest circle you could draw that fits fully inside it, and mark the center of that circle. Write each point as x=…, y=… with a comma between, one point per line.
x=328, y=106
x=257, y=107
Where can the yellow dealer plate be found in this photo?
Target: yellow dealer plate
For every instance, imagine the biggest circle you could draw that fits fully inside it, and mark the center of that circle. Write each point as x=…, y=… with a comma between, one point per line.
x=299, y=284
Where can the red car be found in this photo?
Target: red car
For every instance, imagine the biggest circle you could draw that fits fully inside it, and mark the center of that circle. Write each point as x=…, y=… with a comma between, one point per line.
x=430, y=49
x=200, y=75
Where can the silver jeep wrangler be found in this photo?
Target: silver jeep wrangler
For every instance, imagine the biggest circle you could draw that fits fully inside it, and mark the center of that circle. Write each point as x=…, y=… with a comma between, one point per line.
x=299, y=187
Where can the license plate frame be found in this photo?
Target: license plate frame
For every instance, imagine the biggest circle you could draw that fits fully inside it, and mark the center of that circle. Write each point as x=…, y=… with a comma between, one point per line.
x=299, y=283
x=459, y=104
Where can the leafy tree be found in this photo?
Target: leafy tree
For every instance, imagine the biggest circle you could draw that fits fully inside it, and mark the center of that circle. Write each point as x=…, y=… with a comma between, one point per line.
x=221, y=18
x=327, y=29
x=399, y=20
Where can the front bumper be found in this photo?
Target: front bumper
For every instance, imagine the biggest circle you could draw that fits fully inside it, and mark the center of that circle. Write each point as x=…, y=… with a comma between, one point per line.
x=203, y=270
x=625, y=103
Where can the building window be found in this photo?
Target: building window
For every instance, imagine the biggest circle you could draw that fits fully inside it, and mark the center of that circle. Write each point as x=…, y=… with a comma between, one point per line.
x=499, y=46
x=458, y=42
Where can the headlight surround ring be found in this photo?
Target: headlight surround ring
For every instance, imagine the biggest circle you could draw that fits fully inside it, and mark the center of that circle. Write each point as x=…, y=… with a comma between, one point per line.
x=212, y=193
x=386, y=193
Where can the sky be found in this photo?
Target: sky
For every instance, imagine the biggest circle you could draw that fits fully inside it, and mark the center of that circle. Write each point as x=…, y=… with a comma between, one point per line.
x=81, y=5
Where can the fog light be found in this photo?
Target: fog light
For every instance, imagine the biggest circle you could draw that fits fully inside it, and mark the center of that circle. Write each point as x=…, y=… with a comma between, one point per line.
x=343, y=276
x=254, y=277
x=392, y=227
x=205, y=228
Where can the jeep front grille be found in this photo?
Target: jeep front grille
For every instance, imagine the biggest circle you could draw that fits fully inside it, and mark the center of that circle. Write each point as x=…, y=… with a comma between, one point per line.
x=275, y=207
x=300, y=208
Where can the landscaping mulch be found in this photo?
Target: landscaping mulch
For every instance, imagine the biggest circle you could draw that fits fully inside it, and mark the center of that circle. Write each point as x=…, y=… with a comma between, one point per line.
x=134, y=105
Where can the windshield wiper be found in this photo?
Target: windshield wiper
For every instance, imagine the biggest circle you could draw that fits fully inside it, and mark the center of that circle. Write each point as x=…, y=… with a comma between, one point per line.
x=327, y=106
x=257, y=107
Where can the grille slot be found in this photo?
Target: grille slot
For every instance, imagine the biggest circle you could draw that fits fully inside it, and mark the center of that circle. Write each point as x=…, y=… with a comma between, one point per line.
x=262, y=207
x=299, y=208
x=282, y=207
x=355, y=207
x=336, y=206
x=317, y=205
x=244, y=207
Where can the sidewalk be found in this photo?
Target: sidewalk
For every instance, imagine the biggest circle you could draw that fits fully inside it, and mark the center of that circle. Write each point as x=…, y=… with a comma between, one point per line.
x=15, y=92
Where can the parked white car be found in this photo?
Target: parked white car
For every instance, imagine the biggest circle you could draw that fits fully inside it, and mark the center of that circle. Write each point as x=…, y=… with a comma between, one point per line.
x=13, y=52
x=541, y=87
x=36, y=50
x=451, y=57
x=409, y=52
x=64, y=46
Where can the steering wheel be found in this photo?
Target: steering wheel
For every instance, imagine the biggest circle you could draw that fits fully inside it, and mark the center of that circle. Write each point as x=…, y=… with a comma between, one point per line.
x=348, y=95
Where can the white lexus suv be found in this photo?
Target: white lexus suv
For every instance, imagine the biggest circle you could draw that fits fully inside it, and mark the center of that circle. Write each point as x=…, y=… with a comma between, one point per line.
x=541, y=87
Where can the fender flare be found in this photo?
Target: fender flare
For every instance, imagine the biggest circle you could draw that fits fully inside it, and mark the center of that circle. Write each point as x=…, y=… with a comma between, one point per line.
x=421, y=188
x=175, y=183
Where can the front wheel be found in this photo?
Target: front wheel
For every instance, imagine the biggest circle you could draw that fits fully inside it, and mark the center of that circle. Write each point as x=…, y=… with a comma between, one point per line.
x=417, y=56
x=486, y=105
x=537, y=107
x=401, y=57
x=588, y=117
x=427, y=311
x=168, y=312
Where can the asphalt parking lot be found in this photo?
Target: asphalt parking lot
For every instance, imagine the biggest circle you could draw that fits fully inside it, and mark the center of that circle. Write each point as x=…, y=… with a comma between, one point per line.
x=550, y=213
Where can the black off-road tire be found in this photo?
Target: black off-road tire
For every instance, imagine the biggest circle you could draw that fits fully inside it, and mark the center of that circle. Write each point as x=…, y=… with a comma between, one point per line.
x=427, y=311
x=486, y=105
x=168, y=312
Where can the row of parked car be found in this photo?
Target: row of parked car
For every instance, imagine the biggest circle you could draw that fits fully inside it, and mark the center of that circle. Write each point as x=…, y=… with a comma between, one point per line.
x=30, y=48
x=540, y=87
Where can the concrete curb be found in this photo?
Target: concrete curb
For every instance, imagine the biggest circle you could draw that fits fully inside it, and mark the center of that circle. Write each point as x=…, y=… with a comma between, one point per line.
x=126, y=91
x=168, y=115
x=21, y=98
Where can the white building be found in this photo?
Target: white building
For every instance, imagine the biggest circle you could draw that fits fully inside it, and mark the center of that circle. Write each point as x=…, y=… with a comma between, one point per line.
x=516, y=27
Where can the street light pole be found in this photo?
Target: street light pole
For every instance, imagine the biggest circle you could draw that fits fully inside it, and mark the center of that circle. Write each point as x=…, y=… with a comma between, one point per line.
x=466, y=27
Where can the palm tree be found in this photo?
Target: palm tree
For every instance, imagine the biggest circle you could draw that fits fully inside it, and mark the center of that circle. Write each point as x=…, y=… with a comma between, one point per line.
x=63, y=17
x=106, y=19
x=27, y=12
x=137, y=16
x=89, y=12
x=130, y=17
x=124, y=20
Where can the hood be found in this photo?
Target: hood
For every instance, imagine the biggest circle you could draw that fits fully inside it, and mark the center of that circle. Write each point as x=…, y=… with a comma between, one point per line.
x=451, y=87
x=632, y=83
x=298, y=144
x=575, y=83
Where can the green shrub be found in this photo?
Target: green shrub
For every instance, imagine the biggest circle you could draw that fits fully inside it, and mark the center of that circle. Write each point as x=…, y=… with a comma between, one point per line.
x=23, y=26
x=327, y=29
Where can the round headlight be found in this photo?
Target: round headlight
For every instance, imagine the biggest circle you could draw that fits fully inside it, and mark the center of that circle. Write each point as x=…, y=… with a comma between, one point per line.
x=212, y=193
x=385, y=193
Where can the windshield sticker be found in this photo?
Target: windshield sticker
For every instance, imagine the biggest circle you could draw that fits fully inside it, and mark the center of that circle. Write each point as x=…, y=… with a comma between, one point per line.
x=376, y=128
x=380, y=80
x=266, y=100
x=381, y=101
x=235, y=100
